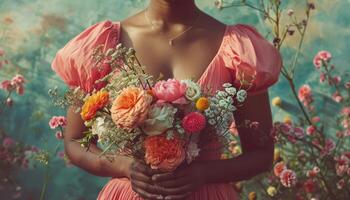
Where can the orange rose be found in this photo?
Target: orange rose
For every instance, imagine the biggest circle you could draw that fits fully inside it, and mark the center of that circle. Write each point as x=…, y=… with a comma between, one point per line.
x=164, y=154
x=130, y=108
x=94, y=103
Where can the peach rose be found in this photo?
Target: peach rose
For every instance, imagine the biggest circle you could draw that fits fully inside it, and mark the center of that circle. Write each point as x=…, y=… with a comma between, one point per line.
x=164, y=154
x=130, y=108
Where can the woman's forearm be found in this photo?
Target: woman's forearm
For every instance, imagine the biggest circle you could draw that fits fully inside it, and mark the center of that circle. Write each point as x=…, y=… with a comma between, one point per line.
x=240, y=168
x=91, y=161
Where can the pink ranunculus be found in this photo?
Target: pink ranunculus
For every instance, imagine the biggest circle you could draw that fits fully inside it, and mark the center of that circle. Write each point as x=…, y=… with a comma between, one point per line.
x=171, y=90
x=57, y=121
x=288, y=178
x=6, y=85
x=194, y=122
x=8, y=142
x=322, y=56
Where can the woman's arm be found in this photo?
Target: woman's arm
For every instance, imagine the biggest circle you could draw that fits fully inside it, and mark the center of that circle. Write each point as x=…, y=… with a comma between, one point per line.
x=90, y=160
x=257, y=145
x=121, y=166
x=257, y=155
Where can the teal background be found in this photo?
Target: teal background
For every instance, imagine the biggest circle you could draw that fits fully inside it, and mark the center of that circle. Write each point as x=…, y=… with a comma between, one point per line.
x=41, y=27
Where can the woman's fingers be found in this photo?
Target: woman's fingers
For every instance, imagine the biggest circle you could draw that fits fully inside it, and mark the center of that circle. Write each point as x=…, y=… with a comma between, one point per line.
x=175, y=182
x=143, y=168
x=176, y=190
x=141, y=177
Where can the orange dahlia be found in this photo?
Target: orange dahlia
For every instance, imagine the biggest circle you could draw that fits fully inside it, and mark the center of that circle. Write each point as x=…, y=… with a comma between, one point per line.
x=94, y=103
x=164, y=154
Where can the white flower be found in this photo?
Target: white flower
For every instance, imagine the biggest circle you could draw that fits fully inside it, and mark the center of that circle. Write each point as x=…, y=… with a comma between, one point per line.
x=221, y=94
x=212, y=122
x=193, y=90
x=227, y=85
x=160, y=118
x=241, y=95
x=223, y=103
x=192, y=152
x=98, y=127
x=231, y=90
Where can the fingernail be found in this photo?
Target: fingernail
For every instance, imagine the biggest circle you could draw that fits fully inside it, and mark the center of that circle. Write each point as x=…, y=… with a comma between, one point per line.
x=160, y=197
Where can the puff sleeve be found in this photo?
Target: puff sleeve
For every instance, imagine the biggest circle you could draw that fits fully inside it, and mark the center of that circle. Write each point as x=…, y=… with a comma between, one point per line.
x=74, y=64
x=251, y=58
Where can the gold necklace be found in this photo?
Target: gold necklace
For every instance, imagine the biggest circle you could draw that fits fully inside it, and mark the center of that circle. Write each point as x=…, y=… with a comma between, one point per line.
x=172, y=39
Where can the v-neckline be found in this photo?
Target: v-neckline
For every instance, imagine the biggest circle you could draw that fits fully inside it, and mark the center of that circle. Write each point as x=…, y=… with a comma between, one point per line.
x=210, y=63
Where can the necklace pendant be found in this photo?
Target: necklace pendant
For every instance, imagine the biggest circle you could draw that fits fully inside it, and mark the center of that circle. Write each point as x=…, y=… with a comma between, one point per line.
x=171, y=43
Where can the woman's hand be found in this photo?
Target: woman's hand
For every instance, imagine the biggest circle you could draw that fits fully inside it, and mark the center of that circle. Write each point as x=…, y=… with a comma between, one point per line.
x=140, y=176
x=180, y=183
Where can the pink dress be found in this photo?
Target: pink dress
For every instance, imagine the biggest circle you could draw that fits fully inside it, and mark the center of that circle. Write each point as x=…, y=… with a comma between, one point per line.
x=243, y=51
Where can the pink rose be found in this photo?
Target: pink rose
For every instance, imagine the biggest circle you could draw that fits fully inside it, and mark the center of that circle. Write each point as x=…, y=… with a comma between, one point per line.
x=193, y=122
x=288, y=178
x=171, y=90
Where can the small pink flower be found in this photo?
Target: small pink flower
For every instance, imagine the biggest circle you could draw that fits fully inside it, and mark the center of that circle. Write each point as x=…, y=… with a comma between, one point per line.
x=305, y=94
x=341, y=169
x=336, y=80
x=313, y=172
x=341, y=184
x=6, y=85
x=322, y=77
x=57, y=121
x=316, y=119
x=322, y=56
x=9, y=102
x=288, y=178
x=20, y=89
x=193, y=122
x=337, y=97
x=61, y=154
x=346, y=111
x=8, y=142
x=279, y=168
x=299, y=132
x=310, y=130
x=328, y=147
x=309, y=185
x=345, y=123
x=59, y=135
x=171, y=90
x=286, y=128
x=18, y=80
x=347, y=85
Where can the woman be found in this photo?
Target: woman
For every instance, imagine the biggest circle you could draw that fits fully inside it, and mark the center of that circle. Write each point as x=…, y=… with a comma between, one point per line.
x=174, y=38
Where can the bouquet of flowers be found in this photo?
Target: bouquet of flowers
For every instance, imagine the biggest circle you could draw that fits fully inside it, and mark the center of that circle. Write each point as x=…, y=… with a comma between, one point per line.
x=160, y=122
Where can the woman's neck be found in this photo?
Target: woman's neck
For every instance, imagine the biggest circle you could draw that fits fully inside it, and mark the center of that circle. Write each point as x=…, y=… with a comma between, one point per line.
x=172, y=11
